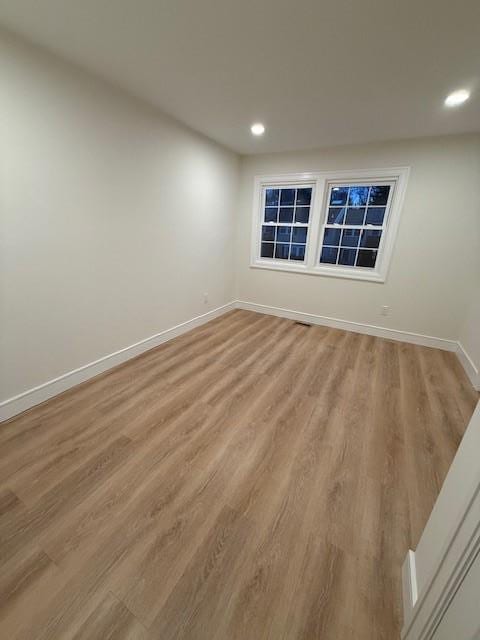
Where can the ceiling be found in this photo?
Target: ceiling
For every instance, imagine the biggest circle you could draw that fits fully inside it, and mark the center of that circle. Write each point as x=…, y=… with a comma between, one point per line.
x=316, y=72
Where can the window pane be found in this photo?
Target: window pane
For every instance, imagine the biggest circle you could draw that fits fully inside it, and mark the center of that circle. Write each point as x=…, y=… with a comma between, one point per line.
x=267, y=250
x=281, y=251
x=299, y=234
x=371, y=238
x=336, y=215
x=350, y=237
x=375, y=215
x=338, y=196
x=379, y=194
x=285, y=214
x=268, y=233
x=287, y=197
x=271, y=197
x=355, y=216
x=366, y=258
x=283, y=234
x=304, y=196
x=329, y=255
x=347, y=257
x=302, y=214
x=332, y=237
x=297, y=252
x=357, y=196
x=271, y=214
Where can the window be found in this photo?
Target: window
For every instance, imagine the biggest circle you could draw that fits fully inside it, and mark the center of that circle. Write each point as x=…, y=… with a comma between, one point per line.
x=337, y=224
x=286, y=214
x=354, y=222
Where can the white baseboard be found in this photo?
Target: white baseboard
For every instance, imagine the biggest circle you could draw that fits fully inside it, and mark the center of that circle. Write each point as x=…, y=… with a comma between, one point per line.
x=409, y=585
x=348, y=325
x=469, y=366
x=27, y=399
x=12, y=406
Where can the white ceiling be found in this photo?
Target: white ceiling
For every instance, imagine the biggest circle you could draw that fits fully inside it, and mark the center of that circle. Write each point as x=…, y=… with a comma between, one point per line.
x=316, y=72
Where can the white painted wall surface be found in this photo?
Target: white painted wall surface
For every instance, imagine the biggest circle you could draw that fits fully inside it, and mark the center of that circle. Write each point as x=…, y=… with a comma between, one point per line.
x=448, y=545
x=434, y=266
x=114, y=219
x=470, y=329
x=458, y=489
x=462, y=618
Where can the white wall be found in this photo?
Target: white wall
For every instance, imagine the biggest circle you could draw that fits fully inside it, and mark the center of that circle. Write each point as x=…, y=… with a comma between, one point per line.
x=114, y=219
x=470, y=331
x=435, y=262
x=449, y=543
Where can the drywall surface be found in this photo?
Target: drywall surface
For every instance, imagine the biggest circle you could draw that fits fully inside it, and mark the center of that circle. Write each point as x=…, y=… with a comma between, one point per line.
x=434, y=265
x=457, y=492
x=115, y=220
x=470, y=329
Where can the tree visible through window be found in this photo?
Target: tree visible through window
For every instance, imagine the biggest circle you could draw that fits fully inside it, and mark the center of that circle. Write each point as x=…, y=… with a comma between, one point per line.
x=328, y=223
x=354, y=224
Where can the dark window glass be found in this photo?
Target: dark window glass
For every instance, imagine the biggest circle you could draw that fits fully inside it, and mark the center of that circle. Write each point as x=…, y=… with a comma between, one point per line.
x=271, y=197
x=350, y=237
x=357, y=196
x=329, y=255
x=347, y=257
x=304, y=196
x=299, y=234
x=287, y=197
x=285, y=214
x=375, y=215
x=338, y=196
x=297, y=252
x=366, y=258
x=268, y=233
x=283, y=234
x=302, y=214
x=281, y=251
x=379, y=195
x=332, y=236
x=355, y=216
x=271, y=214
x=371, y=238
x=336, y=215
x=267, y=250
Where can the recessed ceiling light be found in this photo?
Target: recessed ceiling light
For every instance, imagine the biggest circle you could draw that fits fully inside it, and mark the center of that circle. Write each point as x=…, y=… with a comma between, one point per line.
x=257, y=129
x=457, y=97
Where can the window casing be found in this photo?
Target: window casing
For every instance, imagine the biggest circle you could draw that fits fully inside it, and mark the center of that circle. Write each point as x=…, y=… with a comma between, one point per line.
x=339, y=224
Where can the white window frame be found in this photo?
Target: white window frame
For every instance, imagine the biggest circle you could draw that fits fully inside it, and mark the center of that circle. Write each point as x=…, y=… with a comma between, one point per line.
x=320, y=183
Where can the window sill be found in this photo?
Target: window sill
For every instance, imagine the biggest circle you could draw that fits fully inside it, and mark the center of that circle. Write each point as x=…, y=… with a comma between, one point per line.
x=372, y=276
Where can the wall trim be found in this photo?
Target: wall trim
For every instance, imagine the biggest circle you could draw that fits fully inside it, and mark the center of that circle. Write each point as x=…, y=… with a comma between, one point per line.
x=409, y=584
x=421, y=621
x=469, y=366
x=348, y=325
x=23, y=401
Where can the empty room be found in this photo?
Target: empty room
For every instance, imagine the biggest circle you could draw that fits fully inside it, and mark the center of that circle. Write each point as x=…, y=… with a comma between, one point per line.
x=239, y=320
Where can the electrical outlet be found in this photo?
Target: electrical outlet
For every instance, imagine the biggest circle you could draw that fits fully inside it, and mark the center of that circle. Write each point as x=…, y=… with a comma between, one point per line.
x=385, y=310
x=205, y=297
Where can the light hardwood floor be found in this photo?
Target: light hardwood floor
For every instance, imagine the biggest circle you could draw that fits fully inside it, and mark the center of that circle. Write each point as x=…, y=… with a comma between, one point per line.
x=252, y=479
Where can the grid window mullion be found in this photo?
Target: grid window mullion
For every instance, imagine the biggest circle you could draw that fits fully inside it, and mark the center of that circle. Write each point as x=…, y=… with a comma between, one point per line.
x=367, y=233
x=284, y=244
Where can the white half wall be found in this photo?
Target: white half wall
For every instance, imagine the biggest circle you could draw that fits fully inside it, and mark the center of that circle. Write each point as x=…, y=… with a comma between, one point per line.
x=434, y=267
x=470, y=335
x=115, y=220
x=449, y=543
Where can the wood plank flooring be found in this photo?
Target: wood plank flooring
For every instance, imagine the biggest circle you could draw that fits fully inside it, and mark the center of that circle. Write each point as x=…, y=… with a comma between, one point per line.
x=252, y=479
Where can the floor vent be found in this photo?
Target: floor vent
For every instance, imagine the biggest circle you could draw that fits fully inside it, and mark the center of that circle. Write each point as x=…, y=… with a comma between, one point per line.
x=303, y=324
